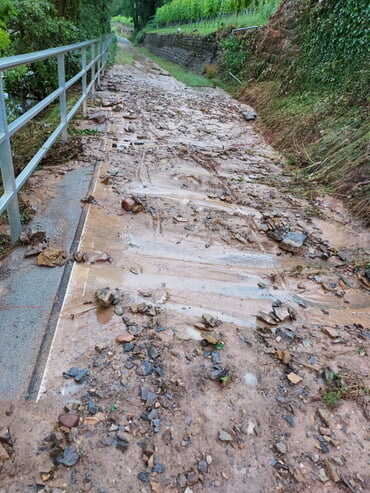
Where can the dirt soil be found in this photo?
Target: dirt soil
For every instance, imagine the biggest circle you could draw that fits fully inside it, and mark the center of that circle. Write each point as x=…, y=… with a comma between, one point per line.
x=243, y=317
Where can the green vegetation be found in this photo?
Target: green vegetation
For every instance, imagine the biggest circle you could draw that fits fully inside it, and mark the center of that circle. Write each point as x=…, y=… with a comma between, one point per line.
x=122, y=19
x=40, y=24
x=196, y=10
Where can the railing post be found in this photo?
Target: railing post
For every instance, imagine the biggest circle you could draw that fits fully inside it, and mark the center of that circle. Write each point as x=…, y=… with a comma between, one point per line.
x=7, y=171
x=62, y=97
x=93, y=68
x=84, y=82
x=100, y=50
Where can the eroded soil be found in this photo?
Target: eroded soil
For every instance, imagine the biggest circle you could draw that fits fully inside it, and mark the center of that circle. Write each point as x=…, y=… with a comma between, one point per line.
x=200, y=260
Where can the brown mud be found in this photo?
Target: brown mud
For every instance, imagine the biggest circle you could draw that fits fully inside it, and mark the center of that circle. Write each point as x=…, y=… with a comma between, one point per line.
x=200, y=260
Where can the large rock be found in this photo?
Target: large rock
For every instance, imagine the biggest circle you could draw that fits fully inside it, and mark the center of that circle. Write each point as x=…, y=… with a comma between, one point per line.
x=293, y=242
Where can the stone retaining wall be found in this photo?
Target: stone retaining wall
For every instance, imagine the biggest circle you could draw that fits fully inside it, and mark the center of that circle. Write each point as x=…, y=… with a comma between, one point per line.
x=191, y=51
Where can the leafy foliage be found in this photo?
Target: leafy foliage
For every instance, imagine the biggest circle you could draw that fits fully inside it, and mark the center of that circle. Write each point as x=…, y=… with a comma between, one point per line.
x=192, y=10
x=335, y=49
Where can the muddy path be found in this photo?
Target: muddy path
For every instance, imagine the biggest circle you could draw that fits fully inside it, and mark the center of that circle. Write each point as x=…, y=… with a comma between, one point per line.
x=243, y=318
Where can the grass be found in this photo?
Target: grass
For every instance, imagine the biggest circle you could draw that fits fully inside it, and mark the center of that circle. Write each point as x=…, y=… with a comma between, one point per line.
x=188, y=78
x=324, y=137
x=124, y=55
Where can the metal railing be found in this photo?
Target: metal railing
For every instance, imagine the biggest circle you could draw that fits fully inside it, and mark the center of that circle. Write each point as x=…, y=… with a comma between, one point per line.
x=94, y=55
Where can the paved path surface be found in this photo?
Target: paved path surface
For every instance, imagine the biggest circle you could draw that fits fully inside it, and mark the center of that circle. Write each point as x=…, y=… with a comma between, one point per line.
x=28, y=292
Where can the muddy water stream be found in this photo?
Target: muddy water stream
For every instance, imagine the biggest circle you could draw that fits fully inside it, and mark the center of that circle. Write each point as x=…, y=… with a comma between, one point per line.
x=212, y=197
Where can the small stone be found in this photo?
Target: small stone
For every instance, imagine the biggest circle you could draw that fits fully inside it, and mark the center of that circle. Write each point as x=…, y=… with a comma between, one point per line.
x=209, y=320
x=181, y=480
x=281, y=447
x=145, y=368
x=202, y=466
x=118, y=310
x=148, y=448
x=124, y=338
x=324, y=416
x=293, y=241
x=69, y=420
x=224, y=436
x=325, y=431
x=5, y=435
x=159, y=468
x=294, y=378
x=4, y=456
x=128, y=204
x=289, y=419
x=209, y=459
x=210, y=337
x=123, y=436
x=68, y=458
x=51, y=257
x=100, y=346
x=143, y=476
x=104, y=296
x=249, y=115
x=284, y=356
x=250, y=379
x=322, y=476
x=332, y=333
x=128, y=346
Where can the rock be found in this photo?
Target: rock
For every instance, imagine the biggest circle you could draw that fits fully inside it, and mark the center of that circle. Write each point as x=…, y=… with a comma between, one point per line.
x=5, y=435
x=284, y=356
x=293, y=242
x=143, y=476
x=286, y=334
x=210, y=337
x=324, y=416
x=4, y=456
x=332, y=471
x=249, y=115
x=72, y=406
x=322, y=476
x=68, y=458
x=202, y=466
x=148, y=448
x=79, y=375
x=294, y=378
x=250, y=379
x=51, y=257
x=104, y=296
x=145, y=368
x=332, y=333
x=148, y=396
x=289, y=419
x=267, y=318
x=118, y=310
x=69, y=420
x=152, y=351
x=224, y=436
x=181, y=480
x=159, y=468
x=209, y=459
x=124, y=338
x=281, y=447
x=209, y=320
x=100, y=347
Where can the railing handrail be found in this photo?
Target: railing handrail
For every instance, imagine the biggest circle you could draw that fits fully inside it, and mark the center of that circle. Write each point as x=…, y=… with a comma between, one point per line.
x=98, y=57
x=35, y=56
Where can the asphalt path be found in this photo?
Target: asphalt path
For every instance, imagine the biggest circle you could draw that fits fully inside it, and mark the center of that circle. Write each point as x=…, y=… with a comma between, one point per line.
x=29, y=293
